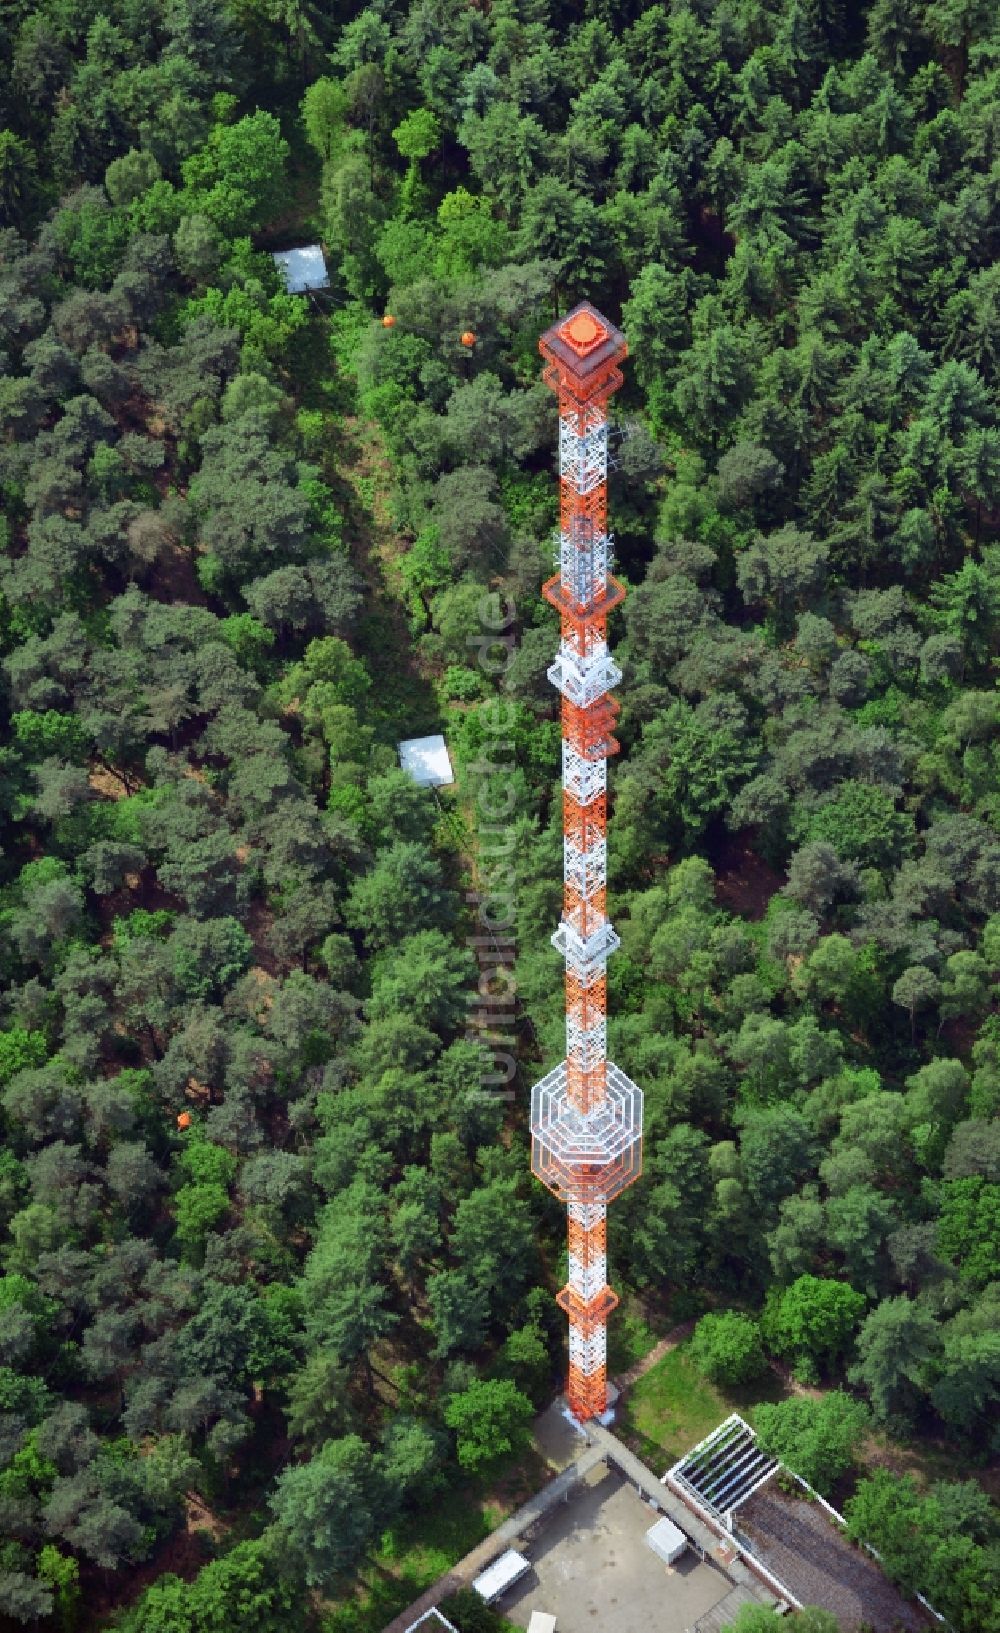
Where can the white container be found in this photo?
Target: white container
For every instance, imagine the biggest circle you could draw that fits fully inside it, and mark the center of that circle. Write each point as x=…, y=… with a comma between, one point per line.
x=666, y=1541
x=501, y=1575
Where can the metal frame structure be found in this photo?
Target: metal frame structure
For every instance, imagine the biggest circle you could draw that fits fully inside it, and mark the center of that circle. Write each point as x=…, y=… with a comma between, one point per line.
x=586, y=1115
x=725, y=1469
x=430, y=1619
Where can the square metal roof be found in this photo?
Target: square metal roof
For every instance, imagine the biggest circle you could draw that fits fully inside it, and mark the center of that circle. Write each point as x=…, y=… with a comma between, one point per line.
x=584, y=342
x=501, y=1575
x=302, y=269
x=427, y=760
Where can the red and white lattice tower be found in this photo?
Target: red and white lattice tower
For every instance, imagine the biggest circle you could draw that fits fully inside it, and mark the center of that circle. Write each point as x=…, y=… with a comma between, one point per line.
x=586, y=1115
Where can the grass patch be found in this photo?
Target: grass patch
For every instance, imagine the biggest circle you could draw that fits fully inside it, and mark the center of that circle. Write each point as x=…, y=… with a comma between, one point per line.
x=428, y=1544
x=673, y=1407
x=670, y=1409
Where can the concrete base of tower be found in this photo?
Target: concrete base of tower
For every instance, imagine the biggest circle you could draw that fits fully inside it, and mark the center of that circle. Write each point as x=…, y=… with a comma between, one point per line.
x=579, y=1420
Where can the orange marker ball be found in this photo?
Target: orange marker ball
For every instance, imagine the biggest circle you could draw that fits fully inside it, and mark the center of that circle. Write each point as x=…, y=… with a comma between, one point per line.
x=388, y=322
x=468, y=338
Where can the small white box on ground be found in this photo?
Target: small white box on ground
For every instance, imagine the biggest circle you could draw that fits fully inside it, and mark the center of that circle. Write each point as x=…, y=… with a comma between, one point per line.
x=666, y=1541
x=302, y=269
x=541, y=1622
x=501, y=1575
x=427, y=761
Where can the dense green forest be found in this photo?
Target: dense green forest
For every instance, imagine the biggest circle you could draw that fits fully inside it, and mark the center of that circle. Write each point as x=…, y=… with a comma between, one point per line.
x=268, y=1243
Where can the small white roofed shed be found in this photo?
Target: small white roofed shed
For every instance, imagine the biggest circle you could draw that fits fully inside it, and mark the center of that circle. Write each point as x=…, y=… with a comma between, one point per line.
x=431, y=1621
x=427, y=760
x=667, y=1541
x=303, y=269
x=501, y=1575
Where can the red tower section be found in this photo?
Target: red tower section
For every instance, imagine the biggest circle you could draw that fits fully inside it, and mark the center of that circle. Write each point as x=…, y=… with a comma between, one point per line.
x=586, y=1115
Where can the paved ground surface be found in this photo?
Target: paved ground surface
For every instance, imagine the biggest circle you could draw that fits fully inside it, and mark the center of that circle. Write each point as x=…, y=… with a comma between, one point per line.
x=809, y=1552
x=557, y=1438
x=592, y=1569
x=710, y=1544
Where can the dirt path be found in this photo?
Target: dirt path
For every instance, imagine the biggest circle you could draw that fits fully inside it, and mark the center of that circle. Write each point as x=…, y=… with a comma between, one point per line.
x=360, y=470
x=675, y=1336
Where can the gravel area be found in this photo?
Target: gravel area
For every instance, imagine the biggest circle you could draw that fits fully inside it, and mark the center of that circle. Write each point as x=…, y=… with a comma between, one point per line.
x=809, y=1553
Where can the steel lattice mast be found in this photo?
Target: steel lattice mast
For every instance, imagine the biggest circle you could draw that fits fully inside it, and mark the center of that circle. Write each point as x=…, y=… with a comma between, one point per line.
x=586, y=1115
